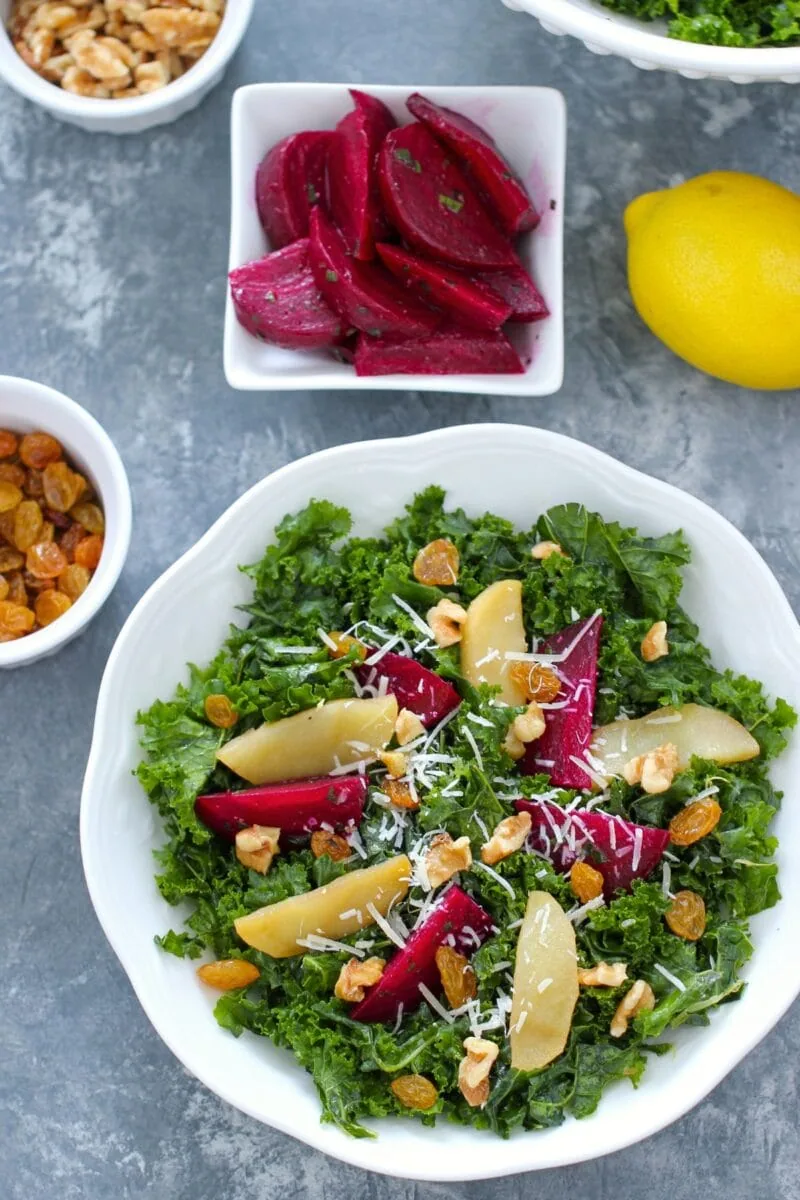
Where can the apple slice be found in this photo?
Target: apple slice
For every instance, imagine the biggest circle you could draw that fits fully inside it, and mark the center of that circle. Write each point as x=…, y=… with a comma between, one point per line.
x=314, y=742
x=693, y=729
x=492, y=628
x=545, y=984
x=333, y=911
x=618, y=849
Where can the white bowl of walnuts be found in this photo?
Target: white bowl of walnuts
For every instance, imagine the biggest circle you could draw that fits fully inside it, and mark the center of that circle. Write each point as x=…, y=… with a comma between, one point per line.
x=118, y=66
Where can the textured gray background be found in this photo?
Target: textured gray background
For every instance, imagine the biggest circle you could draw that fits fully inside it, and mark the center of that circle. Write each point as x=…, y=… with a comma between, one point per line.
x=112, y=268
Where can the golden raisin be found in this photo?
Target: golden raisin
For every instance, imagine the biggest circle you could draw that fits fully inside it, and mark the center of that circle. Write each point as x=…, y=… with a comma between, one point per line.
x=12, y=473
x=437, y=564
x=70, y=538
x=10, y=559
x=3, y=587
x=686, y=916
x=459, y=981
x=539, y=683
x=694, y=821
x=586, y=882
x=8, y=443
x=399, y=792
x=38, y=449
x=34, y=488
x=45, y=560
x=74, y=580
x=220, y=711
x=61, y=485
x=32, y=584
x=227, y=974
x=332, y=844
x=50, y=605
x=27, y=524
x=414, y=1091
x=10, y=496
x=344, y=644
x=15, y=619
x=47, y=532
x=90, y=516
x=16, y=588
x=88, y=551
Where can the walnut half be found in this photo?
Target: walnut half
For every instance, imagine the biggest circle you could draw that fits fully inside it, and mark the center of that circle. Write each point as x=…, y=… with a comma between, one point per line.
x=474, y=1070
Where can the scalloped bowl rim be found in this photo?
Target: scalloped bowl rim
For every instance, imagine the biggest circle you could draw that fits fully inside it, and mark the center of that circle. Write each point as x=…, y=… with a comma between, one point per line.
x=603, y=28
x=672, y=1084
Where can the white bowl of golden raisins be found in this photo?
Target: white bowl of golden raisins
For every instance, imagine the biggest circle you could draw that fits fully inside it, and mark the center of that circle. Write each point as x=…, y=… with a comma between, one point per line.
x=65, y=519
x=118, y=66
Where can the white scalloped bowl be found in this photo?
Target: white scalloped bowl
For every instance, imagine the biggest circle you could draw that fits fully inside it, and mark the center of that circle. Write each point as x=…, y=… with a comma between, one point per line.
x=517, y=472
x=647, y=46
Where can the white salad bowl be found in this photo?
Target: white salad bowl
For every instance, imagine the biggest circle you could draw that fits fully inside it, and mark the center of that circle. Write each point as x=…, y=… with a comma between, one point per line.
x=517, y=472
x=26, y=406
x=529, y=126
x=647, y=45
x=139, y=112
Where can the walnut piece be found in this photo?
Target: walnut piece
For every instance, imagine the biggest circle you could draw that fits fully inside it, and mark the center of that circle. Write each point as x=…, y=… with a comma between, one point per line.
x=638, y=999
x=256, y=847
x=356, y=975
x=445, y=858
x=603, y=974
x=655, y=770
x=407, y=727
x=543, y=550
x=177, y=28
x=395, y=762
x=446, y=620
x=529, y=726
x=474, y=1070
x=654, y=643
x=509, y=835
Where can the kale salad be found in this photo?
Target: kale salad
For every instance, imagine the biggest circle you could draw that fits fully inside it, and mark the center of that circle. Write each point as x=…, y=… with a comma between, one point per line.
x=720, y=22
x=464, y=816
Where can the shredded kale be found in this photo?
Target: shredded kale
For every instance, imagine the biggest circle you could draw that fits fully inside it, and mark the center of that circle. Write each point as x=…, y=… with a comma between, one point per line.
x=314, y=576
x=720, y=22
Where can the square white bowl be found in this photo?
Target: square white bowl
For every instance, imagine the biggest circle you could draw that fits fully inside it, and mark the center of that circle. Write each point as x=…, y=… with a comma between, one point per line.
x=529, y=126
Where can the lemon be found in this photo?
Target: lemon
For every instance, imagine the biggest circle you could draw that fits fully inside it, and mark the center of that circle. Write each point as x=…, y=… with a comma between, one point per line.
x=714, y=272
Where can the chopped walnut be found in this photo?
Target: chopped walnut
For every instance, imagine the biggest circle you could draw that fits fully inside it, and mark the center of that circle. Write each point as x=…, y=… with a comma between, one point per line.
x=116, y=49
x=356, y=975
x=507, y=837
x=655, y=770
x=474, y=1070
x=256, y=847
x=407, y=727
x=638, y=999
x=603, y=974
x=446, y=620
x=513, y=747
x=654, y=642
x=395, y=762
x=544, y=549
x=530, y=725
x=445, y=858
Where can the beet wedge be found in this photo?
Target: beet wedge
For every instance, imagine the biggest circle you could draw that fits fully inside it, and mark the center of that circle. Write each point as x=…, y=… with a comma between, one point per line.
x=449, y=351
x=618, y=849
x=456, y=917
x=295, y=808
x=353, y=194
x=428, y=198
x=515, y=286
x=561, y=749
x=416, y=688
x=509, y=200
x=363, y=294
x=470, y=301
x=290, y=180
x=276, y=299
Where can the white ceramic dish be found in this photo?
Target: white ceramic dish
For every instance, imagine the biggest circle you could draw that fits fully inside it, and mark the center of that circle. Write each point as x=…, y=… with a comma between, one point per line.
x=517, y=472
x=647, y=46
x=140, y=112
x=26, y=406
x=528, y=123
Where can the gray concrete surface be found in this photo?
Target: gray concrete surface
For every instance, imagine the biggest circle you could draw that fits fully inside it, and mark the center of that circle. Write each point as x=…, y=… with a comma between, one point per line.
x=112, y=275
